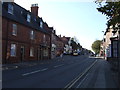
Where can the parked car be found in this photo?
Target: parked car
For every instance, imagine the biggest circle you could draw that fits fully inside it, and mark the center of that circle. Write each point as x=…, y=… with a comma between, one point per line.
x=75, y=53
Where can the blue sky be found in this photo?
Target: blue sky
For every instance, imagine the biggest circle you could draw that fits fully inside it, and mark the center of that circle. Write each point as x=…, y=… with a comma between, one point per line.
x=71, y=18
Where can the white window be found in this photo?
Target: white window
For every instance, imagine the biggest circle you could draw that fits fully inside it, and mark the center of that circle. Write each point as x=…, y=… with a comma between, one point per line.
x=21, y=12
x=32, y=35
x=28, y=17
x=31, y=51
x=41, y=24
x=13, y=50
x=10, y=8
x=44, y=38
x=14, y=31
x=45, y=52
x=34, y=19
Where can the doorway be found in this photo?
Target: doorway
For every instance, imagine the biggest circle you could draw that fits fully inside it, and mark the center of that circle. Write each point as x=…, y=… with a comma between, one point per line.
x=38, y=53
x=22, y=53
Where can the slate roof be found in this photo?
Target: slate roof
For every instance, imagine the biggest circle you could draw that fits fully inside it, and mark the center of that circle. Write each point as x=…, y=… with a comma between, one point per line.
x=65, y=39
x=20, y=15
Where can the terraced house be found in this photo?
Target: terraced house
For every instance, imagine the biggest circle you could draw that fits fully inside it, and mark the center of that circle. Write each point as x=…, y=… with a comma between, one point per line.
x=24, y=37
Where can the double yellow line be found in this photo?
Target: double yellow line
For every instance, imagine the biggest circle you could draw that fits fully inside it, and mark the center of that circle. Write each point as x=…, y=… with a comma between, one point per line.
x=72, y=83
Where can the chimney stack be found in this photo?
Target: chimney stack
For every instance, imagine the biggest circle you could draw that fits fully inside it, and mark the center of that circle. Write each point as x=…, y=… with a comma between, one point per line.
x=34, y=9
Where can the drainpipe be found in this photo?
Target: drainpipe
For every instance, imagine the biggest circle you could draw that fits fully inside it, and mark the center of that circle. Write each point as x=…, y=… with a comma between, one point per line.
x=119, y=58
x=7, y=41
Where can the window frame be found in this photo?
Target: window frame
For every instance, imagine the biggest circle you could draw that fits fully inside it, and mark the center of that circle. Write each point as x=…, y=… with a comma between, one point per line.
x=44, y=38
x=10, y=8
x=14, y=29
x=41, y=24
x=13, y=54
x=45, y=52
x=32, y=35
x=28, y=18
x=31, y=52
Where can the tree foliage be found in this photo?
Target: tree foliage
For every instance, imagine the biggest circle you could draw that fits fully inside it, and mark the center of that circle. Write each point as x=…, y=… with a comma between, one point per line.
x=75, y=45
x=111, y=10
x=96, y=46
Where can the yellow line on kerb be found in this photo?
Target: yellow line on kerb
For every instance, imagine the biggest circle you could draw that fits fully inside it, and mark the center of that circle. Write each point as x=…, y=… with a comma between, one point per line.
x=69, y=85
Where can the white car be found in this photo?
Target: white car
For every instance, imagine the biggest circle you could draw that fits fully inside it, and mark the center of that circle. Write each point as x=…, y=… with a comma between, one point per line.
x=75, y=53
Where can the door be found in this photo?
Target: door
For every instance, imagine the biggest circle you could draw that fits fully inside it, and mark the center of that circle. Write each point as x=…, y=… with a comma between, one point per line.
x=22, y=53
x=41, y=53
x=38, y=53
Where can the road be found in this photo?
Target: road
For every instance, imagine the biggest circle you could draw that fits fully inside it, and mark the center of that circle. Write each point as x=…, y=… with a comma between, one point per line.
x=67, y=72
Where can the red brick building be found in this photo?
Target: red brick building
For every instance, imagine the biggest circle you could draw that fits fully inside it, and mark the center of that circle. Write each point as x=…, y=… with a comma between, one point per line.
x=53, y=41
x=59, y=45
x=24, y=37
x=67, y=45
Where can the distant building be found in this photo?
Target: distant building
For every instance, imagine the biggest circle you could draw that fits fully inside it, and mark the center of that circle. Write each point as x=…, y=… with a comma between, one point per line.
x=59, y=45
x=53, y=40
x=110, y=44
x=67, y=45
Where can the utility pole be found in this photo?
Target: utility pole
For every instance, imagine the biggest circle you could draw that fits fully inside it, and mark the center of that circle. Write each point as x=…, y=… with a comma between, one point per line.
x=103, y=45
x=118, y=58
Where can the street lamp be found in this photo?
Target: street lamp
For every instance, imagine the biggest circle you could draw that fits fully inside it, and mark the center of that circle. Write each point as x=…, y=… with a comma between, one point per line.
x=103, y=44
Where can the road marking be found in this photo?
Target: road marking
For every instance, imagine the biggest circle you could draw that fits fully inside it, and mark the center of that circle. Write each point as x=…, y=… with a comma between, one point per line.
x=82, y=81
x=34, y=72
x=58, y=65
x=69, y=85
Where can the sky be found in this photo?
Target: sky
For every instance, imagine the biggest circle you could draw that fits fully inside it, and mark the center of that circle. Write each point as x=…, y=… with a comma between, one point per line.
x=70, y=18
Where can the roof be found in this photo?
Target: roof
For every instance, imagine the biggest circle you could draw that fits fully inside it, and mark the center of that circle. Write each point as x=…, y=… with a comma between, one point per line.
x=65, y=39
x=20, y=15
x=58, y=39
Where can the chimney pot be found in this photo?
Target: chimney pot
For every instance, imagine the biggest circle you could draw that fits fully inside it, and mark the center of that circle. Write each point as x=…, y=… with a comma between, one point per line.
x=34, y=9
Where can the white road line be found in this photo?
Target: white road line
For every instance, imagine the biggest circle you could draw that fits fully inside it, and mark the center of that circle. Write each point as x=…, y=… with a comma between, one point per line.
x=69, y=85
x=58, y=65
x=82, y=81
x=34, y=72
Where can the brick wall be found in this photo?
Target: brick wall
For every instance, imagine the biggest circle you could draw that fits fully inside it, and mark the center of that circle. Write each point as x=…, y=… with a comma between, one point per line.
x=22, y=39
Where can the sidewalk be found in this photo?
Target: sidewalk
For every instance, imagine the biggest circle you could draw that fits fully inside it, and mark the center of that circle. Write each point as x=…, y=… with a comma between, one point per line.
x=26, y=64
x=105, y=76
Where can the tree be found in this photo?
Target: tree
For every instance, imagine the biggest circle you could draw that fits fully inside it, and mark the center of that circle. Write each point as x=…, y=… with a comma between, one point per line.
x=79, y=46
x=112, y=12
x=74, y=45
x=96, y=46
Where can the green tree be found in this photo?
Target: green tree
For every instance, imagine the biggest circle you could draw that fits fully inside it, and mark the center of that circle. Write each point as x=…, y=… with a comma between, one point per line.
x=96, y=46
x=112, y=12
x=79, y=46
x=74, y=45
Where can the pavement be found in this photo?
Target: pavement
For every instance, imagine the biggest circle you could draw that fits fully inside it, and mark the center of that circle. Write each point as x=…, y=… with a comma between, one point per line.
x=26, y=64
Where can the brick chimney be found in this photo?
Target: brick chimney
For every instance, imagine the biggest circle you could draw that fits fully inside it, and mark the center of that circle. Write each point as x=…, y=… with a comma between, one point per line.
x=34, y=9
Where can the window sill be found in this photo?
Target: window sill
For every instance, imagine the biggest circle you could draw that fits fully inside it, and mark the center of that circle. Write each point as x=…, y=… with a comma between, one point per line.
x=10, y=13
x=12, y=56
x=31, y=56
x=14, y=35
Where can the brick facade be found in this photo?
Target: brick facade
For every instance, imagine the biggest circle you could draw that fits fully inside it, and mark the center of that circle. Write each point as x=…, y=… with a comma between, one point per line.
x=59, y=45
x=23, y=42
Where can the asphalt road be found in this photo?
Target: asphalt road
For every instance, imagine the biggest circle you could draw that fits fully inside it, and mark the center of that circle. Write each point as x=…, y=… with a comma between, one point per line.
x=66, y=72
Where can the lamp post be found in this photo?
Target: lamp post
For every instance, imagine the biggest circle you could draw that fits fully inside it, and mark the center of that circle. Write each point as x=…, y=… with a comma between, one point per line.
x=103, y=45
x=119, y=58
